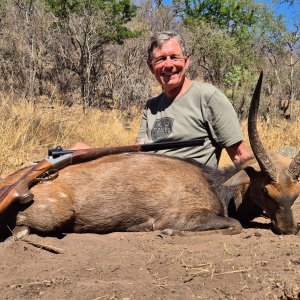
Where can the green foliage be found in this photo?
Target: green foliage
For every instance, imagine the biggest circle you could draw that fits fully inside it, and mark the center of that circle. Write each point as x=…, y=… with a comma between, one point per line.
x=242, y=19
x=232, y=15
x=208, y=42
x=116, y=13
x=277, y=36
x=62, y=9
x=226, y=33
x=236, y=75
x=88, y=26
x=119, y=13
x=217, y=51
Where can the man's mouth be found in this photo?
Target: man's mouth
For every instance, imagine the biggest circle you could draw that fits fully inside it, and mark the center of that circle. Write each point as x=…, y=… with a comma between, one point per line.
x=169, y=74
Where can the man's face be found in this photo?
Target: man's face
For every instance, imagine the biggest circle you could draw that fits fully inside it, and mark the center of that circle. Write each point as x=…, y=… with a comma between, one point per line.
x=169, y=65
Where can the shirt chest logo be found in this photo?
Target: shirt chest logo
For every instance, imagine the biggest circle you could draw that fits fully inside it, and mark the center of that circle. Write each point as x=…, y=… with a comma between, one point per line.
x=162, y=128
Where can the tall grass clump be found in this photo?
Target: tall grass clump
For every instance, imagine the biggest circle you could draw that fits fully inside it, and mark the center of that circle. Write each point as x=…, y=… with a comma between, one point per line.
x=27, y=131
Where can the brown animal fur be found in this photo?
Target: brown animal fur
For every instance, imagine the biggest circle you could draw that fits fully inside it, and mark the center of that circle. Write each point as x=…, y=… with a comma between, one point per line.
x=127, y=192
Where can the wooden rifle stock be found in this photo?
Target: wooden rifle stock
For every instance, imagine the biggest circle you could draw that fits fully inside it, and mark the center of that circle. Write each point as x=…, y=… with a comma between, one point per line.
x=58, y=159
x=19, y=190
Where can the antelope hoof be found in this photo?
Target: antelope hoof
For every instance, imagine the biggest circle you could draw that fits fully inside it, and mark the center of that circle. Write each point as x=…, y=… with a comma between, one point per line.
x=18, y=233
x=170, y=232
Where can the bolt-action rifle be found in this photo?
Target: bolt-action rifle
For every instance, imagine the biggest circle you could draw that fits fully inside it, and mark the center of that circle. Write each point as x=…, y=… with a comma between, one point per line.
x=47, y=169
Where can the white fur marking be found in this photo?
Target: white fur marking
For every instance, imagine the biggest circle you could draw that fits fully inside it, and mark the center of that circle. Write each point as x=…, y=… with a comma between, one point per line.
x=61, y=194
x=42, y=206
x=51, y=200
x=21, y=218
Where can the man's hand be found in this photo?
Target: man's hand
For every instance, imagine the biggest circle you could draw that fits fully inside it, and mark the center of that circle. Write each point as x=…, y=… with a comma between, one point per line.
x=140, y=141
x=239, y=153
x=78, y=146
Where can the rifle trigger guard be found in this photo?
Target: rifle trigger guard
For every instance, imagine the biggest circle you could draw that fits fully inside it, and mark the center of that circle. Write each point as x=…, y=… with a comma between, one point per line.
x=48, y=176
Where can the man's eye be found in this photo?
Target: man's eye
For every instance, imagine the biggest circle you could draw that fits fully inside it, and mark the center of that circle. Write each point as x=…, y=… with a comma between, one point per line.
x=162, y=59
x=175, y=58
x=159, y=59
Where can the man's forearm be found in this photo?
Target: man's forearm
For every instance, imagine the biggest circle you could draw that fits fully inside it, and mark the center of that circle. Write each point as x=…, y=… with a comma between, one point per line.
x=239, y=153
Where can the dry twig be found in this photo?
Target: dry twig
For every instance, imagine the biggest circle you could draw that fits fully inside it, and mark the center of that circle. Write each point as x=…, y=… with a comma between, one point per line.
x=230, y=272
x=36, y=244
x=43, y=246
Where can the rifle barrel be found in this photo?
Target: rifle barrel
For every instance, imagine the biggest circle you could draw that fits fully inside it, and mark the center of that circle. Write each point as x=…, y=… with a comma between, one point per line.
x=172, y=145
x=135, y=148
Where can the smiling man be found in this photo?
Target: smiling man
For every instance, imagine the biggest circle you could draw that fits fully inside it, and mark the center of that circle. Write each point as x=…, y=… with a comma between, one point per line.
x=188, y=109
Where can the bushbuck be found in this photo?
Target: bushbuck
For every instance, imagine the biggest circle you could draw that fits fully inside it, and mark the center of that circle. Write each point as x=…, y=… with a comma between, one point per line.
x=145, y=192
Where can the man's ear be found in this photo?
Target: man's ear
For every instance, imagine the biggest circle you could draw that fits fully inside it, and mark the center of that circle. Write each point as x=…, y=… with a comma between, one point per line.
x=187, y=61
x=150, y=66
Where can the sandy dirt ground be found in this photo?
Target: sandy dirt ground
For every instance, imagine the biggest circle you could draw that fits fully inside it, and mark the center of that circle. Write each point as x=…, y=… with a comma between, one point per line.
x=255, y=264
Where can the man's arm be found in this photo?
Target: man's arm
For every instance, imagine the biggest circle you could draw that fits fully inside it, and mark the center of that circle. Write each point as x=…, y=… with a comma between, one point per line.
x=239, y=153
x=79, y=146
x=140, y=141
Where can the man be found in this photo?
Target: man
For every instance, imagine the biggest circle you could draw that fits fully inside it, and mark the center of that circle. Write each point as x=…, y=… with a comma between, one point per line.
x=188, y=109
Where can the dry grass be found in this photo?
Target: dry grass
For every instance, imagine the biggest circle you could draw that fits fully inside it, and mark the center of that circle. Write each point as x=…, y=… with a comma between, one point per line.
x=27, y=131
x=280, y=134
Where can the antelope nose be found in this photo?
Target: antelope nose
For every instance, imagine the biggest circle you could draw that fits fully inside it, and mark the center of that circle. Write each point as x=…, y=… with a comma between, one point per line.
x=286, y=230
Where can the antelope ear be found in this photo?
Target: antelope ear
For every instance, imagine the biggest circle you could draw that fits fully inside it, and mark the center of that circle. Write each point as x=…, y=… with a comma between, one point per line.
x=237, y=179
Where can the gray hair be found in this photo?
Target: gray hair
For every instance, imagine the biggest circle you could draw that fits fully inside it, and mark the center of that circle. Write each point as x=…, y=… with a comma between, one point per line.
x=159, y=38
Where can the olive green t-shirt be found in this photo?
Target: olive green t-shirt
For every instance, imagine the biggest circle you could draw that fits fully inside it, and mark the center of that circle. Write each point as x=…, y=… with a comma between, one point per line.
x=202, y=111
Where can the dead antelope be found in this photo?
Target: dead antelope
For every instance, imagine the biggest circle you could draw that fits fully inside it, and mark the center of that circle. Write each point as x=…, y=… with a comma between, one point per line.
x=142, y=192
x=273, y=182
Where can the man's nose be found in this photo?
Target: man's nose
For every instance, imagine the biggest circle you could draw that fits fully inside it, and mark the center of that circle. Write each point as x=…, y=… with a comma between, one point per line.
x=169, y=62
